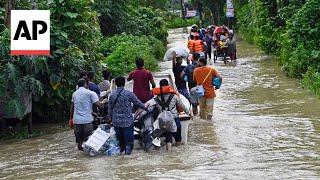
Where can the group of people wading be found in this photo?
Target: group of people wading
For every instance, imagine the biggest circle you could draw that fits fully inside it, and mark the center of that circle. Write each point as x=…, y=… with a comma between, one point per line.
x=212, y=39
x=88, y=98
x=120, y=103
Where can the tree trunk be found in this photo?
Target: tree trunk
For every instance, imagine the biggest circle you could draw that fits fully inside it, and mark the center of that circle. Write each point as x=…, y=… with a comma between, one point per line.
x=29, y=125
x=199, y=5
x=11, y=4
x=182, y=9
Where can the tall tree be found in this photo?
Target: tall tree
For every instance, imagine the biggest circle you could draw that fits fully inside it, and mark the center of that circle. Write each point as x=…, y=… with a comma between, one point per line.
x=11, y=4
x=183, y=13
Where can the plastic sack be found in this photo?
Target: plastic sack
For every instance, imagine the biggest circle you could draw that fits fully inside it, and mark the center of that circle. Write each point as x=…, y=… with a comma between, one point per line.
x=113, y=151
x=166, y=121
x=112, y=147
x=180, y=51
x=216, y=82
x=198, y=90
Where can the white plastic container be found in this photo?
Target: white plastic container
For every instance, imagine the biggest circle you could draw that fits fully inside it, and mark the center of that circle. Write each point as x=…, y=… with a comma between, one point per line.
x=97, y=139
x=184, y=131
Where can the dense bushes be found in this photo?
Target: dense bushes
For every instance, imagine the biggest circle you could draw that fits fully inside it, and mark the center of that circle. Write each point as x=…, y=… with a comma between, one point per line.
x=117, y=17
x=121, y=51
x=76, y=44
x=51, y=80
x=178, y=22
x=288, y=29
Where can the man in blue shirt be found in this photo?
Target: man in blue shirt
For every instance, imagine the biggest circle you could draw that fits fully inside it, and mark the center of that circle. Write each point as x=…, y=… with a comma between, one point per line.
x=120, y=113
x=92, y=86
x=188, y=71
x=81, y=111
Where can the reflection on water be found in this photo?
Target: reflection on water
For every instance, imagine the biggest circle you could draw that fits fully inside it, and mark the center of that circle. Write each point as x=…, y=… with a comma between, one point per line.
x=265, y=126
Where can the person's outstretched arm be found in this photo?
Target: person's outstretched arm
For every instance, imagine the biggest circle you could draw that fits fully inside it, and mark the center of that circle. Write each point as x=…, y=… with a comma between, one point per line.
x=135, y=101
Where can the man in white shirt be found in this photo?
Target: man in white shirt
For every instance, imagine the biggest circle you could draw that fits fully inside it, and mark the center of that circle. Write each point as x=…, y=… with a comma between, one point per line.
x=81, y=111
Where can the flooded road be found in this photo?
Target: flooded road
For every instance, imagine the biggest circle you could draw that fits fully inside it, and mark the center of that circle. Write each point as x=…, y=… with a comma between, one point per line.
x=265, y=126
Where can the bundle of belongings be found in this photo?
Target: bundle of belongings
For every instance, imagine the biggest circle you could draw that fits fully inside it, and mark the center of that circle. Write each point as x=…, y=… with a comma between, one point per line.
x=103, y=141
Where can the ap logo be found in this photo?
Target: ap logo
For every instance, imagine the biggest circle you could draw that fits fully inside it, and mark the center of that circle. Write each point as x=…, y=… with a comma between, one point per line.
x=30, y=32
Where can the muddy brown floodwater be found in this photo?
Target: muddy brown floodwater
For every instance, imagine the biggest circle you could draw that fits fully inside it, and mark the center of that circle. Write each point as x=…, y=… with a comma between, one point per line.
x=265, y=126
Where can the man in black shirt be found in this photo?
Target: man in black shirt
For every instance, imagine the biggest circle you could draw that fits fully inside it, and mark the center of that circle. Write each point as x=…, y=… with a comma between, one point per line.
x=177, y=69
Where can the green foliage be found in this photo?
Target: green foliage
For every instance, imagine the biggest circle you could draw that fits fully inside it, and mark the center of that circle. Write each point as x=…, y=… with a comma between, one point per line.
x=178, y=22
x=289, y=29
x=2, y=11
x=311, y=79
x=145, y=21
x=158, y=4
x=117, y=17
x=75, y=33
x=76, y=44
x=123, y=49
x=209, y=8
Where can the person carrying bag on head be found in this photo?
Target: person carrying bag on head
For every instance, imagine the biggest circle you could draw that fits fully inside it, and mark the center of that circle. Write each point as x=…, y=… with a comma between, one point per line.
x=203, y=76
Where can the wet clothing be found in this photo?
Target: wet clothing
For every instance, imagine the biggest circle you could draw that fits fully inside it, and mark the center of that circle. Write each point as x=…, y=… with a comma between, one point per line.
x=199, y=76
x=231, y=43
x=121, y=112
x=82, y=132
x=206, y=107
x=141, y=84
x=176, y=135
x=173, y=104
x=185, y=93
x=83, y=100
x=125, y=135
x=208, y=40
x=180, y=83
x=95, y=88
x=104, y=85
x=189, y=72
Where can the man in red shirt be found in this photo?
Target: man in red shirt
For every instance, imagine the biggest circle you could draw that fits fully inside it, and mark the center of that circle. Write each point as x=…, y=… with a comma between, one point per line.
x=141, y=81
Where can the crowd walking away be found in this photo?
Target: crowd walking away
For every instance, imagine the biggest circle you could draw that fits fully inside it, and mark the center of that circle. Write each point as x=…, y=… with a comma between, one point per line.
x=94, y=104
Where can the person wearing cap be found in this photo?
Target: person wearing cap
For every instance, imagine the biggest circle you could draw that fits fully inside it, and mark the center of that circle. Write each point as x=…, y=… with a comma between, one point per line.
x=203, y=76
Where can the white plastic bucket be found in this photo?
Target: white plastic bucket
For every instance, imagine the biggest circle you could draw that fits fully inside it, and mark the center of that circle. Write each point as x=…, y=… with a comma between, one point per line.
x=184, y=131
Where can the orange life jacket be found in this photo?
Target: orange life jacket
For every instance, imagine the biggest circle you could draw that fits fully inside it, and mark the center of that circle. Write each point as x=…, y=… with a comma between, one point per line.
x=190, y=45
x=165, y=90
x=198, y=46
